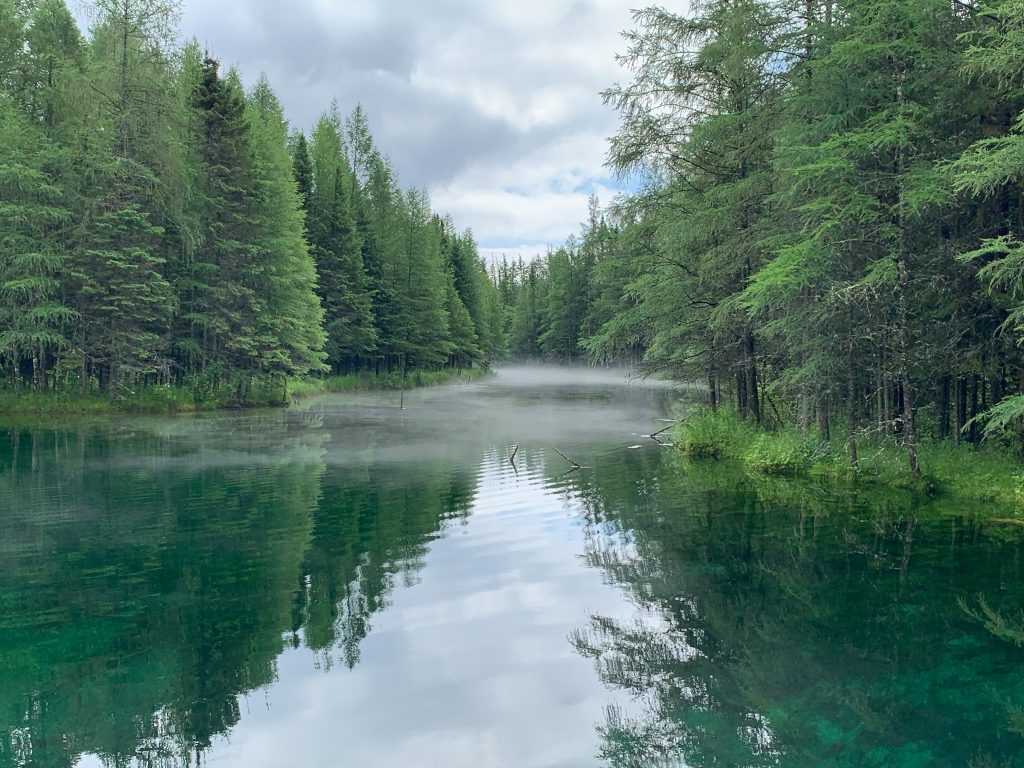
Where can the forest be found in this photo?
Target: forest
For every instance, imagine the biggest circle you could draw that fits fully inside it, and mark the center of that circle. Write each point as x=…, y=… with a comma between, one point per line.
x=824, y=227
x=828, y=221
x=163, y=227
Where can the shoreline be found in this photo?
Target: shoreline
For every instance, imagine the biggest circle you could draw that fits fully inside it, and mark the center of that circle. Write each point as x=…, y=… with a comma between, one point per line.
x=983, y=473
x=43, y=408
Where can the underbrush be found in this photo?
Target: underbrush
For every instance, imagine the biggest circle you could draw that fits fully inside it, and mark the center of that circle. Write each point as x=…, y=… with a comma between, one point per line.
x=989, y=473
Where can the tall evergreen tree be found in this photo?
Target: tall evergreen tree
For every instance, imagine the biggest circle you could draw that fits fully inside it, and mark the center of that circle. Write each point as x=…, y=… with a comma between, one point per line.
x=225, y=271
x=290, y=324
x=993, y=169
x=34, y=319
x=338, y=249
x=303, y=169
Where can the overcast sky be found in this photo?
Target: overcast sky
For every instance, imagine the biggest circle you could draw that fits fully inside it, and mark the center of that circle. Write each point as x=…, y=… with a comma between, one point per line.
x=492, y=105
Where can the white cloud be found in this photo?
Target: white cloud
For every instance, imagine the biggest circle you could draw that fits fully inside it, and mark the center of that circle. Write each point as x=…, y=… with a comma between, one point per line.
x=493, y=106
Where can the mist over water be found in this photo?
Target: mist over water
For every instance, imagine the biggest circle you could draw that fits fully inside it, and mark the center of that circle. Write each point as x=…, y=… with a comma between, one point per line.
x=347, y=582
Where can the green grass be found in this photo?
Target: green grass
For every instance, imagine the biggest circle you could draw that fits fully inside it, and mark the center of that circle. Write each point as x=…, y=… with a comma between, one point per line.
x=33, y=407
x=989, y=473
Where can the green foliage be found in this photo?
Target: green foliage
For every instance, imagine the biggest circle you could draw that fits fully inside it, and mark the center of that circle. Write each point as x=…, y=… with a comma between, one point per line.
x=783, y=453
x=291, y=324
x=1005, y=416
x=990, y=474
x=33, y=318
x=827, y=224
x=161, y=229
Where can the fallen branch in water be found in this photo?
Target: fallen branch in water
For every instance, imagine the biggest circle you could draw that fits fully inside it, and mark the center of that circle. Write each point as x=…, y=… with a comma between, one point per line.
x=575, y=464
x=512, y=458
x=674, y=424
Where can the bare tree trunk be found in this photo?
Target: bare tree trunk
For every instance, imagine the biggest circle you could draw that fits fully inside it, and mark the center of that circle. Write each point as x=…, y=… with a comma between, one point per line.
x=942, y=429
x=824, y=426
x=754, y=398
x=902, y=314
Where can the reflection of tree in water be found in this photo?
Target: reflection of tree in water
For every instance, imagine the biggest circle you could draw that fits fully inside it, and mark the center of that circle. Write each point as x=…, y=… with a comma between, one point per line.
x=373, y=527
x=144, y=588
x=796, y=628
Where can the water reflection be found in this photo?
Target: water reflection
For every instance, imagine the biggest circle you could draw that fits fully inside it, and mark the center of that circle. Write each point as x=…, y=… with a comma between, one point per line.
x=348, y=583
x=157, y=591
x=800, y=628
x=165, y=583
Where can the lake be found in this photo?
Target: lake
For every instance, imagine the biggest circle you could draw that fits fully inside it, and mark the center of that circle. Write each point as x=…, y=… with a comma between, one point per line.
x=349, y=583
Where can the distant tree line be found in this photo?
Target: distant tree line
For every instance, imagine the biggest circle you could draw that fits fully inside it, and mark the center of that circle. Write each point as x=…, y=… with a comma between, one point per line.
x=828, y=229
x=161, y=225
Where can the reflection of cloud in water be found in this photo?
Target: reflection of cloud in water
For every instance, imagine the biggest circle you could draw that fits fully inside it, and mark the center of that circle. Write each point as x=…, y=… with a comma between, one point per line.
x=470, y=669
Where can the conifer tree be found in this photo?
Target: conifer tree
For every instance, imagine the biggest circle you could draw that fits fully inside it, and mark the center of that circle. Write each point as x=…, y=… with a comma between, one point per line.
x=54, y=51
x=123, y=300
x=993, y=169
x=338, y=249
x=33, y=317
x=289, y=326
x=303, y=169
x=225, y=270
x=465, y=349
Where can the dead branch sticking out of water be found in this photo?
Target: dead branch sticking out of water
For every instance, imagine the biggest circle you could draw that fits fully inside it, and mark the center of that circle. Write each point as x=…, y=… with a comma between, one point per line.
x=656, y=435
x=575, y=464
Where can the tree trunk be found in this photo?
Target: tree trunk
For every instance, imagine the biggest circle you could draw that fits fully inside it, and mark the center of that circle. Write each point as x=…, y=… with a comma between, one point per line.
x=973, y=430
x=851, y=411
x=961, y=408
x=741, y=394
x=942, y=430
x=824, y=426
x=751, y=374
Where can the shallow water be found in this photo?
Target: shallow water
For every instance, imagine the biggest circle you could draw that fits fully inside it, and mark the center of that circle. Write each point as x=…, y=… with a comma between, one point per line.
x=347, y=583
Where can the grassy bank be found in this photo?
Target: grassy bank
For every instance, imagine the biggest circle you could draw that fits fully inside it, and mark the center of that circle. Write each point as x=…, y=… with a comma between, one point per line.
x=35, y=406
x=988, y=473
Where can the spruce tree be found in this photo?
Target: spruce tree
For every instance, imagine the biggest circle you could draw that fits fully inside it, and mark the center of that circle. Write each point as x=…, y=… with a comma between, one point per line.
x=225, y=270
x=465, y=349
x=289, y=325
x=121, y=296
x=34, y=319
x=303, y=169
x=337, y=245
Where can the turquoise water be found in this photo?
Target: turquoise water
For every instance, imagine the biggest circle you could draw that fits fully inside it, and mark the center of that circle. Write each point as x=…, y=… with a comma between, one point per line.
x=348, y=583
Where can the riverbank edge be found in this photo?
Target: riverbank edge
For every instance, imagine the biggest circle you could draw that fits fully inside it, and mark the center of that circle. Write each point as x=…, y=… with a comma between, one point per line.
x=18, y=408
x=990, y=474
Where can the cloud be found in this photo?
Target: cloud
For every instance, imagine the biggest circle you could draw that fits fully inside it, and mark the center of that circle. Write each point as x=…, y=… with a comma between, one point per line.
x=494, y=107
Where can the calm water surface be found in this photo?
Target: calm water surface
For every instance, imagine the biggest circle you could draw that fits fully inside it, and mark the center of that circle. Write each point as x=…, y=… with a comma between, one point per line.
x=348, y=584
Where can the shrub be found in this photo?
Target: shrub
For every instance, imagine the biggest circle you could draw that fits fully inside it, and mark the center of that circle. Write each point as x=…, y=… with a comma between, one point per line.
x=713, y=435
x=780, y=453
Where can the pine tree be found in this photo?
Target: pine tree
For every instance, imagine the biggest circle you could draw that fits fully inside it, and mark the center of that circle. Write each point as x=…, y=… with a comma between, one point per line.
x=993, y=169
x=33, y=317
x=289, y=327
x=418, y=280
x=225, y=271
x=53, y=55
x=337, y=246
x=465, y=349
x=303, y=169
x=700, y=110
x=122, y=299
